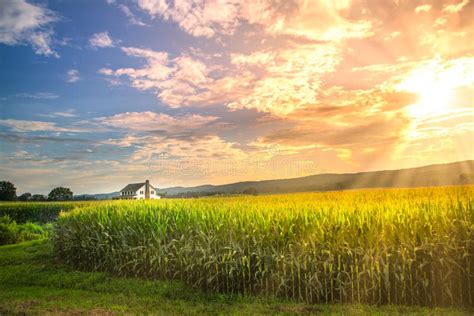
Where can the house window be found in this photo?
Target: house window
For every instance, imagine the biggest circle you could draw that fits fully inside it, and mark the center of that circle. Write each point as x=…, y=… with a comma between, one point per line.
x=152, y=192
x=141, y=192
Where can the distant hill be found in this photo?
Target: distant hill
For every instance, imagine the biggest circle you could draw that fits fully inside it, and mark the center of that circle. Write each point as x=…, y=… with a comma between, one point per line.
x=100, y=196
x=434, y=175
x=455, y=173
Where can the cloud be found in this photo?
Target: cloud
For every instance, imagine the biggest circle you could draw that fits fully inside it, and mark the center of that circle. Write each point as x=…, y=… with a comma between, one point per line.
x=206, y=147
x=22, y=22
x=150, y=121
x=367, y=131
x=16, y=138
x=369, y=127
x=22, y=156
x=311, y=46
x=209, y=159
x=38, y=95
x=320, y=20
x=132, y=18
x=41, y=42
x=198, y=158
x=73, y=75
x=105, y=71
x=29, y=126
x=292, y=77
x=352, y=127
x=277, y=81
x=38, y=126
x=174, y=80
x=67, y=114
x=356, y=125
x=261, y=147
x=455, y=8
x=198, y=18
x=101, y=40
x=323, y=20
x=427, y=29
x=275, y=88
x=423, y=8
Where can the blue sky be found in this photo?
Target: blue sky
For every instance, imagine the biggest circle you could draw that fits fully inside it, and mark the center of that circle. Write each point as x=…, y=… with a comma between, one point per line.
x=97, y=94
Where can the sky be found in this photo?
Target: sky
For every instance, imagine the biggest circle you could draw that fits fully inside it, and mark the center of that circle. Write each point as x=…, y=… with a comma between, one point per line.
x=98, y=94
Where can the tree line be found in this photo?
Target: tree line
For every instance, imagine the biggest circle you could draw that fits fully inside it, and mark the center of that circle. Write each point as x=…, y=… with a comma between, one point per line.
x=8, y=193
x=196, y=194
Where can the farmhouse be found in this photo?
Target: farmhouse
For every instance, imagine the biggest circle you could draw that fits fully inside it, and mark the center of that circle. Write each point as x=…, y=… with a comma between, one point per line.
x=139, y=191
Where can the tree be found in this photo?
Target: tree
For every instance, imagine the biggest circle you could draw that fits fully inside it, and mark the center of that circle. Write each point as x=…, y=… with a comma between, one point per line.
x=38, y=197
x=25, y=197
x=60, y=194
x=7, y=191
x=84, y=197
x=250, y=191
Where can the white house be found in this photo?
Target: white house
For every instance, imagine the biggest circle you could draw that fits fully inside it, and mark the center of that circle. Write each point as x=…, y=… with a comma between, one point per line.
x=139, y=191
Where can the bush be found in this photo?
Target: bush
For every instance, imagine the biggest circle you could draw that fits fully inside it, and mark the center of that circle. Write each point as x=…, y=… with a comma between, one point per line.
x=11, y=232
x=8, y=231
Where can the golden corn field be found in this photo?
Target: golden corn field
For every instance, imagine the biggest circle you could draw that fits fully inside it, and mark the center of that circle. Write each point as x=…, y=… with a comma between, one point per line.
x=394, y=246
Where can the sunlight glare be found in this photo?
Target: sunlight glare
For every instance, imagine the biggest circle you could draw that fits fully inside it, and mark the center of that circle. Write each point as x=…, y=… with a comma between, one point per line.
x=435, y=84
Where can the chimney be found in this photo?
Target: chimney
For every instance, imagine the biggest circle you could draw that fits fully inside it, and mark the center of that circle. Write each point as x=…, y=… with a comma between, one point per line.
x=147, y=190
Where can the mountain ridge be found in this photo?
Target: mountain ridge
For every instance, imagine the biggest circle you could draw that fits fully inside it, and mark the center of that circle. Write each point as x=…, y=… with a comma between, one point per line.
x=454, y=173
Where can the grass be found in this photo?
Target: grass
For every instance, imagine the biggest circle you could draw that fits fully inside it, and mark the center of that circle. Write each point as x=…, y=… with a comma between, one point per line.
x=11, y=232
x=33, y=282
x=383, y=246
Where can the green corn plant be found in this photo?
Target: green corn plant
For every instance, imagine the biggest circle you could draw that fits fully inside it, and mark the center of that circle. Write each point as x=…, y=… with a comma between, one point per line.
x=377, y=246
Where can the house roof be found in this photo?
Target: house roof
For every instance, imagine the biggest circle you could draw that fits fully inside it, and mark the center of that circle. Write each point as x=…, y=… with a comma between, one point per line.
x=135, y=186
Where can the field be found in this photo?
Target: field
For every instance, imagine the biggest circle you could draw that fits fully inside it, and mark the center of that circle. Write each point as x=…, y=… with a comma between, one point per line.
x=38, y=212
x=32, y=282
x=410, y=247
x=264, y=254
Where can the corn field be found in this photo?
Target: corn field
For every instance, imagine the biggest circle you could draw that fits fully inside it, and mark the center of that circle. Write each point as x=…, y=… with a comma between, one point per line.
x=38, y=212
x=393, y=246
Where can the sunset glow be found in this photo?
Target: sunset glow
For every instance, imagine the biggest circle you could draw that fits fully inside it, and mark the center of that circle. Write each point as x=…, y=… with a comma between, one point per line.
x=195, y=92
x=436, y=87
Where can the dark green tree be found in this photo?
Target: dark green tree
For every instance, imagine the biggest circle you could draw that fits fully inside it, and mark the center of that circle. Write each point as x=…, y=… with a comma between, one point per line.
x=60, y=194
x=7, y=191
x=38, y=198
x=24, y=197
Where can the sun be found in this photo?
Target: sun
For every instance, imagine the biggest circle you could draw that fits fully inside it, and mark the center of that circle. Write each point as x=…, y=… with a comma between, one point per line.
x=435, y=83
x=433, y=89
x=434, y=100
